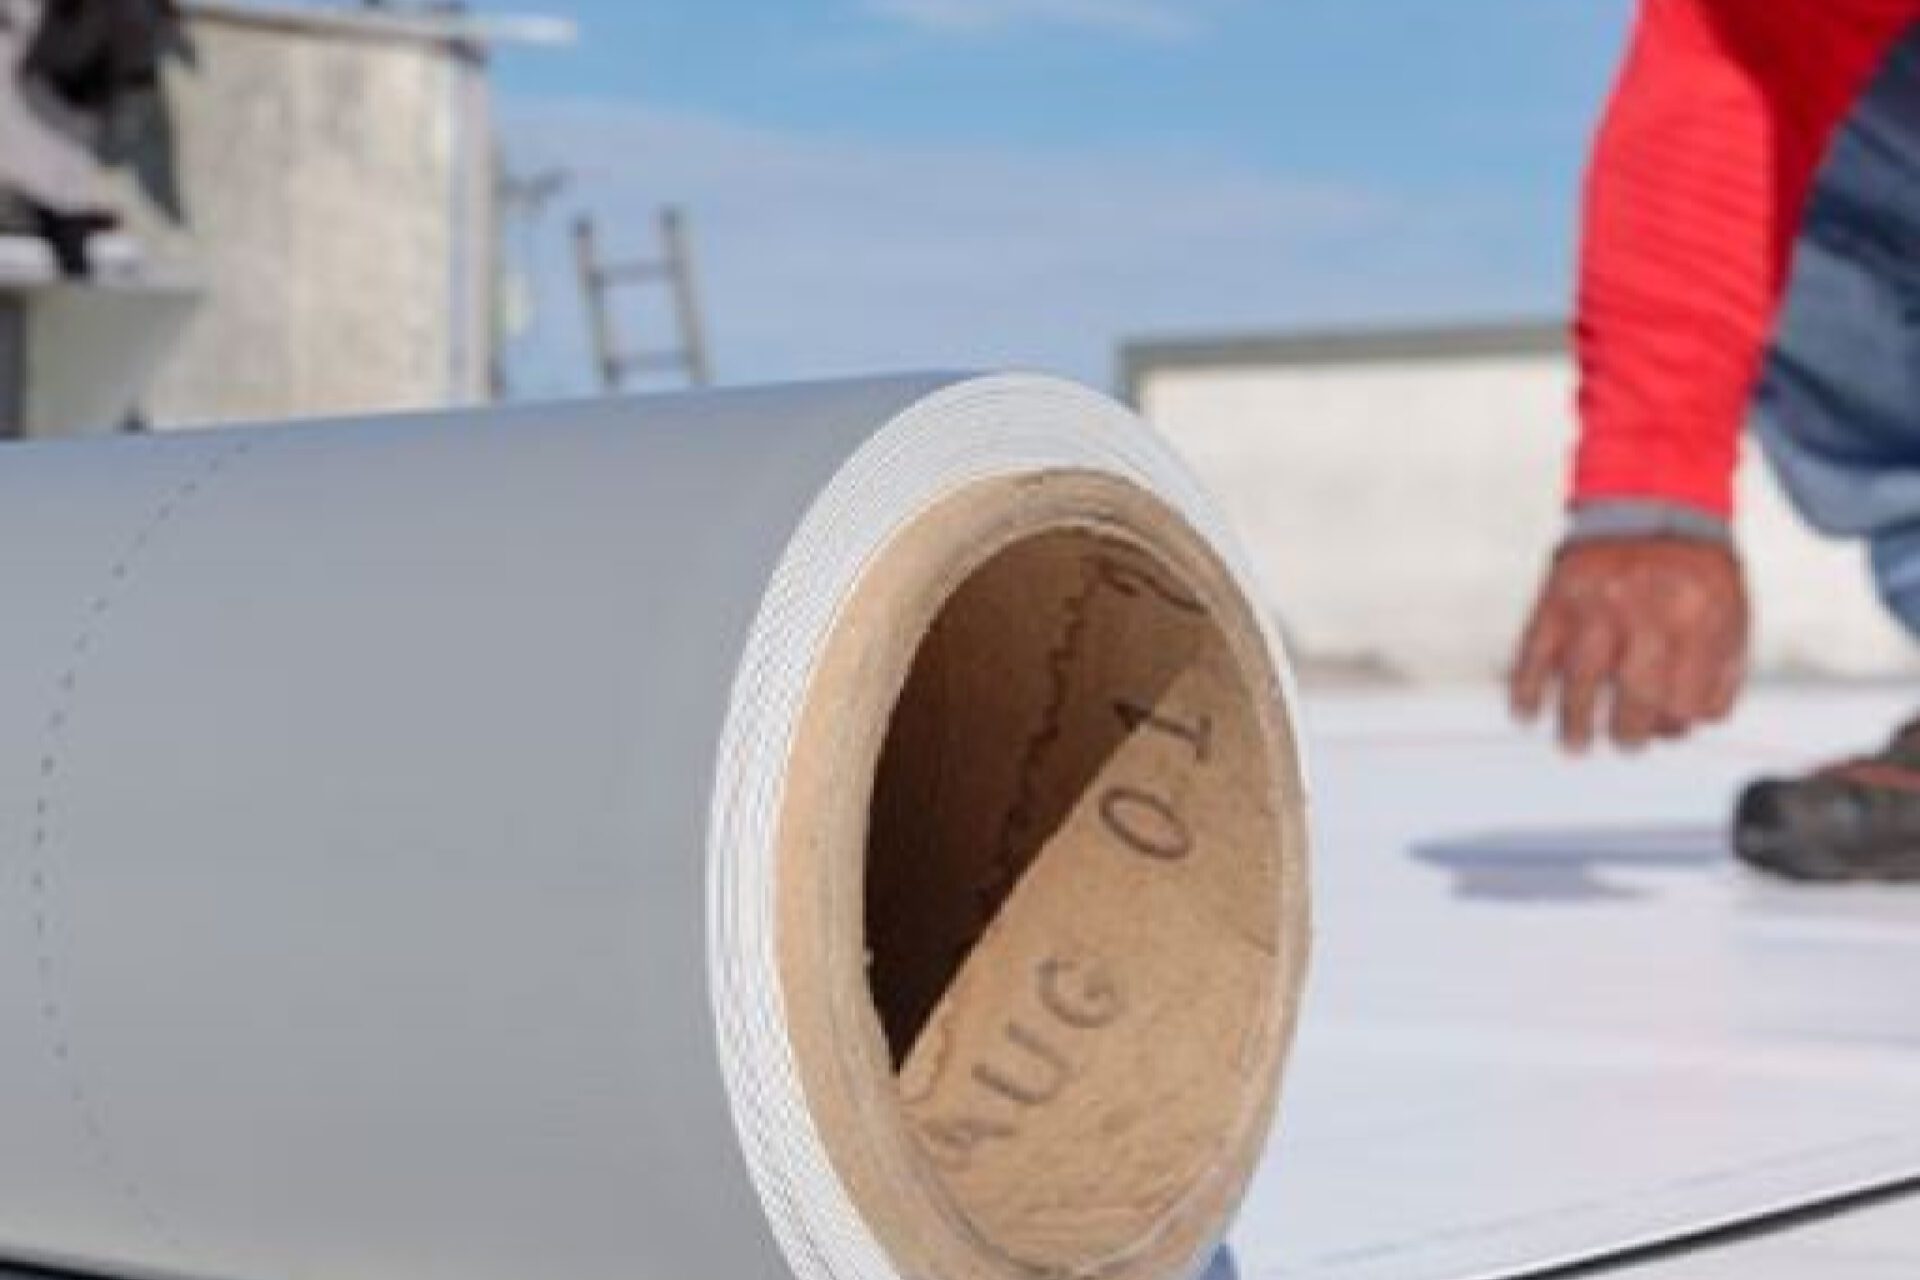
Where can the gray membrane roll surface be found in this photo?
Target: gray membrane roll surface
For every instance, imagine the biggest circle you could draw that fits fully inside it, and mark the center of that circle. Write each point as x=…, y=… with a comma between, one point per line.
x=385, y=825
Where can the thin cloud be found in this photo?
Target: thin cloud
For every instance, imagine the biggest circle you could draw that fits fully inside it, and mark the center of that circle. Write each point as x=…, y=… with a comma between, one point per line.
x=827, y=256
x=1141, y=19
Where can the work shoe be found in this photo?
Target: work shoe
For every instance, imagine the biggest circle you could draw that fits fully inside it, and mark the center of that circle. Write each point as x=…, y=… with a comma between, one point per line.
x=1856, y=820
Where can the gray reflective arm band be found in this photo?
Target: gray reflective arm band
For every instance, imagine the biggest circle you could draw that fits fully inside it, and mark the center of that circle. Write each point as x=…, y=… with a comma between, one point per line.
x=1644, y=518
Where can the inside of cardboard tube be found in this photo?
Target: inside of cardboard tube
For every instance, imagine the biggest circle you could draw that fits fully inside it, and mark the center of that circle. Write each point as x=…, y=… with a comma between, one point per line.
x=1071, y=908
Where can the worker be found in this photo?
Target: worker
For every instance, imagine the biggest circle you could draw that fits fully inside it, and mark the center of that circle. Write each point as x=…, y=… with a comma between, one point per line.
x=1752, y=255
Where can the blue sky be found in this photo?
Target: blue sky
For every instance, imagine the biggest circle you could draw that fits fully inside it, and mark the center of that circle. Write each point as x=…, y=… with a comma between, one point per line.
x=893, y=183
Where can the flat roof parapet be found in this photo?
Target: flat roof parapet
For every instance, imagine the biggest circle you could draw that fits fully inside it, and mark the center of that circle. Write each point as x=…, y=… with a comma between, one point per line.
x=1141, y=358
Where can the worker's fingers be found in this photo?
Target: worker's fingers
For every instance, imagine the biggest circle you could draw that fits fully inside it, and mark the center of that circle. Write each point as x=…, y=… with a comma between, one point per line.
x=1729, y=674
x=1679, y=712
x=1685, y=686
x=1586, y=672
x=1710, y=672
x=1631, y=723
x=1696, y=680
x=1539, y=657
x=1642, y=690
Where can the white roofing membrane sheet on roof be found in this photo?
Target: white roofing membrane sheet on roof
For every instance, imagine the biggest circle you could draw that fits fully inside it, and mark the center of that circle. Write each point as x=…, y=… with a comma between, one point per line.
x=1552, y=1021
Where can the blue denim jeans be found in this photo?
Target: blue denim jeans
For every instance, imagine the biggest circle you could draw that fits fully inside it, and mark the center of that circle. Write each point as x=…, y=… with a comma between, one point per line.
x=1222, y=1267
x=1838, y=409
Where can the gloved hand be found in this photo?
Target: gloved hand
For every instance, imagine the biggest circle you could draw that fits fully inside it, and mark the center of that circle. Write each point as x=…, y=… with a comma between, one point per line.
x=1654, y=626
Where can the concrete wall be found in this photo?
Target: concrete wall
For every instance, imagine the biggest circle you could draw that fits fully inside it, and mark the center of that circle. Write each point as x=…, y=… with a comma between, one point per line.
x=1401, y=505
x=338, y=189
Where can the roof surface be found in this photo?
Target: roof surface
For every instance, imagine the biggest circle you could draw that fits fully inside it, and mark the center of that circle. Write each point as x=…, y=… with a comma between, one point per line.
x=1522, y=960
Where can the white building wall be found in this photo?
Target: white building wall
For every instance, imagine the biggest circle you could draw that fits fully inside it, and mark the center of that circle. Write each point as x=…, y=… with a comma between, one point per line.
x=1401, y=510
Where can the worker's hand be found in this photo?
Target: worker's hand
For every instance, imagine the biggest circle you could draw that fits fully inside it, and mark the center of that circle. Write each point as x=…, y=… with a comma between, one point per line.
x=1653, y=627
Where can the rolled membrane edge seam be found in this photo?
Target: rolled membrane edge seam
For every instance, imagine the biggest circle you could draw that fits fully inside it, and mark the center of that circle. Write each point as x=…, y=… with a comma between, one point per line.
x=957, y=442
x=355, y=778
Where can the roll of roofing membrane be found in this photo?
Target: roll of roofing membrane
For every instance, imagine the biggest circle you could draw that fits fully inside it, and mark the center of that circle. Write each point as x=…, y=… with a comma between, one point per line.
x=847, y=831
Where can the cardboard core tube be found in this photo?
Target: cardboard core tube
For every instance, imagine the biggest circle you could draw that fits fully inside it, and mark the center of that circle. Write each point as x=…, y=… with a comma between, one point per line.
x=1042, y=901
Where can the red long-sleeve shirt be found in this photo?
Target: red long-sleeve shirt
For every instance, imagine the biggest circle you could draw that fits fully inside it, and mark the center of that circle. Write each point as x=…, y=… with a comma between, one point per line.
x=1702, y=171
